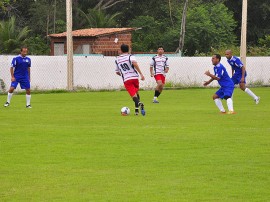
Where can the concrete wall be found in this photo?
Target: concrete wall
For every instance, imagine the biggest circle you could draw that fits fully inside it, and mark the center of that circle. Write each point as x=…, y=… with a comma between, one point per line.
x=97, y=72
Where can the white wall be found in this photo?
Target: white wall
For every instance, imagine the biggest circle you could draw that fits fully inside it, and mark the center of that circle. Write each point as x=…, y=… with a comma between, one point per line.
x=97, y=72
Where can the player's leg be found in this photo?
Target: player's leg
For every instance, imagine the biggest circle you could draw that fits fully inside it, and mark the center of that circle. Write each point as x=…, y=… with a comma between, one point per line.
x=160, y=79
x=132, y=90
x=228, y=97
x=13, y=86
x=236, y=80
x=28, y=98
x=217, y=99
x=249, y=92
x=25, y=84
x=136, y=102
x=141, y=105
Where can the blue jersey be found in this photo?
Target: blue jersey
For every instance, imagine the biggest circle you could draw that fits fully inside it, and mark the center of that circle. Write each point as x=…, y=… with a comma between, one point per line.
x=236, y=65
x=222, y=74
x=21, y=65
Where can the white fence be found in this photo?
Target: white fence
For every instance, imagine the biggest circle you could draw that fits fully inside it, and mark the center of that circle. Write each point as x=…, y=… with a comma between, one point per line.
x=97, y=72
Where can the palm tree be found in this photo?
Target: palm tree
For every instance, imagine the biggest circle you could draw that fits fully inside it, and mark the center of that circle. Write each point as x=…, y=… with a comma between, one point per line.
x=11, y=38
x=97, y=18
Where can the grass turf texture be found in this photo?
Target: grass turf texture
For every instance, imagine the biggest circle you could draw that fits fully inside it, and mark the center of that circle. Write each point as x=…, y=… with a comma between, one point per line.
x=77, y=147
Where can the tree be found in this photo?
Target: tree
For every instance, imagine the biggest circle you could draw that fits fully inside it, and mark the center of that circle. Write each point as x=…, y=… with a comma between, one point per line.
x=149, y=36
x=12, y=38
x=98, y=18
x=209, y=26
x=183, y=30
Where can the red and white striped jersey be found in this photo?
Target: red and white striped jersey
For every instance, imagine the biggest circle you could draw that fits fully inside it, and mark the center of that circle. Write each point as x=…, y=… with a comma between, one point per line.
x=159, y=63
x=125, y=67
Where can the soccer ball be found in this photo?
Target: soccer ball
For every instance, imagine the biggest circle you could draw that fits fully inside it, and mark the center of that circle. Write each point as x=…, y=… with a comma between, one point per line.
x=125, y=111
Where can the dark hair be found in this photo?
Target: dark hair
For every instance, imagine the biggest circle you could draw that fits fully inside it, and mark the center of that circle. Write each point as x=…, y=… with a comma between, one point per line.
x=124, y=48
x=160, y=47
x=23, y=47
x=218, y=56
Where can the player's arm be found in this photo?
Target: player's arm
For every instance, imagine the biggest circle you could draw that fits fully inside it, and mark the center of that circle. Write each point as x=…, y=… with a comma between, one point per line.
x=117, y=70
x=207, y=73
x=213, y=77
x=29, y=73
x=12, y=74
x=136, y=66
x=208, y=82
x=243, y=74
x=166, y=69
x=166, y=66
x=151, y=71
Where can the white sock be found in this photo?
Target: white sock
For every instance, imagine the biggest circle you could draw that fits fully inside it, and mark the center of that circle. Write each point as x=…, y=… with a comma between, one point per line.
x=155, y=97
x=9, y=97
x=219, y=104
x=28, y=99
x=248, y=91
x=230, y=104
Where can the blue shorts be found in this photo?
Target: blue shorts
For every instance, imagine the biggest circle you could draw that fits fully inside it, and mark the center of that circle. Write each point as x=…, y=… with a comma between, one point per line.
x=236, y=78
x=24, y=83
x=225, y=92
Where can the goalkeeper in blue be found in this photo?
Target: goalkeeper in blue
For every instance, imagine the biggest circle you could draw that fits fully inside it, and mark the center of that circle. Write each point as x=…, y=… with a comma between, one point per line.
x=225, y=82
x=239, y=74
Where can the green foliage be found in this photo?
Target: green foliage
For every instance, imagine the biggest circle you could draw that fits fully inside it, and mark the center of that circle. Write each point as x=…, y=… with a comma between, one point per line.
x=12, y=37
x=209, y=26
x=97, y=18
x=37, y=46
x=149, y=36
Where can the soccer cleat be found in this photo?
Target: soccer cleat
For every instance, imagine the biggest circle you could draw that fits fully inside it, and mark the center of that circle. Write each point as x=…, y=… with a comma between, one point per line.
x=223, y=112
x=136, y=113
x=257, y=100
x=231, y=112
x=6, y=104
x=155, y=101
x=142, y=108
x=28, y=106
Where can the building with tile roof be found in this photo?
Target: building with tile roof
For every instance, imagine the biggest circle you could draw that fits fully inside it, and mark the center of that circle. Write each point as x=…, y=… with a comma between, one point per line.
x=104, y=41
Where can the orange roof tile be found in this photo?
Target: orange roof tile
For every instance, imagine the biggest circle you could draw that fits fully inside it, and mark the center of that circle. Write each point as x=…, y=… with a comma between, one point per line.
x=92, y=32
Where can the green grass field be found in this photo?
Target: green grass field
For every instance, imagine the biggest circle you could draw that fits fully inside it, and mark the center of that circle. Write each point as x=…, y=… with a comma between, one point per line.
x=77, y=147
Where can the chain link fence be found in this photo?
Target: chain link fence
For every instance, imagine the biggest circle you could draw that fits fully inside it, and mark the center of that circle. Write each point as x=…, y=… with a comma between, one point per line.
x=98, y=72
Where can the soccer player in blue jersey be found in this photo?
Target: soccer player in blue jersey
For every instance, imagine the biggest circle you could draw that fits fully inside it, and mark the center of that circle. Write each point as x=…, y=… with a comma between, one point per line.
x=20, y=74
x=239, y=74
x=225, y=82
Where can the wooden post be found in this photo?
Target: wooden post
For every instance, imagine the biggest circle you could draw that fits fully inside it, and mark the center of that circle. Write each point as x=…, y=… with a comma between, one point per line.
x=243, y=47
x=69, y=46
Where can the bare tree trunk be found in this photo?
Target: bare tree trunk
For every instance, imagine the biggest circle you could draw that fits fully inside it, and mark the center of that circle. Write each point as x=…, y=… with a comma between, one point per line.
x=47, y=27
x=183, y=30
x=108, y=4
x=54, y=16
x=170, y=7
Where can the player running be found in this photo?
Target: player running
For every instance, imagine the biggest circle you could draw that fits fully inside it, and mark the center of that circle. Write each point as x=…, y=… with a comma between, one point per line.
x=225, y=82
x=158, y=68
x=239, y=74
x=20, y=74
x=128, y=68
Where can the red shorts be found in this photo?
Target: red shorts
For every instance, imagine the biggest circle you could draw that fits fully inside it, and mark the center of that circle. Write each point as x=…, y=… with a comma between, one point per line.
x=132, y=86
x=160, y=77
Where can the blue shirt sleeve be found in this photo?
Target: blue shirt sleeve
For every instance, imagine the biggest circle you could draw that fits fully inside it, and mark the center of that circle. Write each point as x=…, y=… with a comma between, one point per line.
x=238, y=63
x=29, y=63
x=13, y=63
x=219, y=72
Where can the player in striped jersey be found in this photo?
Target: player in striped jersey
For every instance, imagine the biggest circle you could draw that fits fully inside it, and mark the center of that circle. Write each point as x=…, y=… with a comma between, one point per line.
x=158, y=68
x=128, y=68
